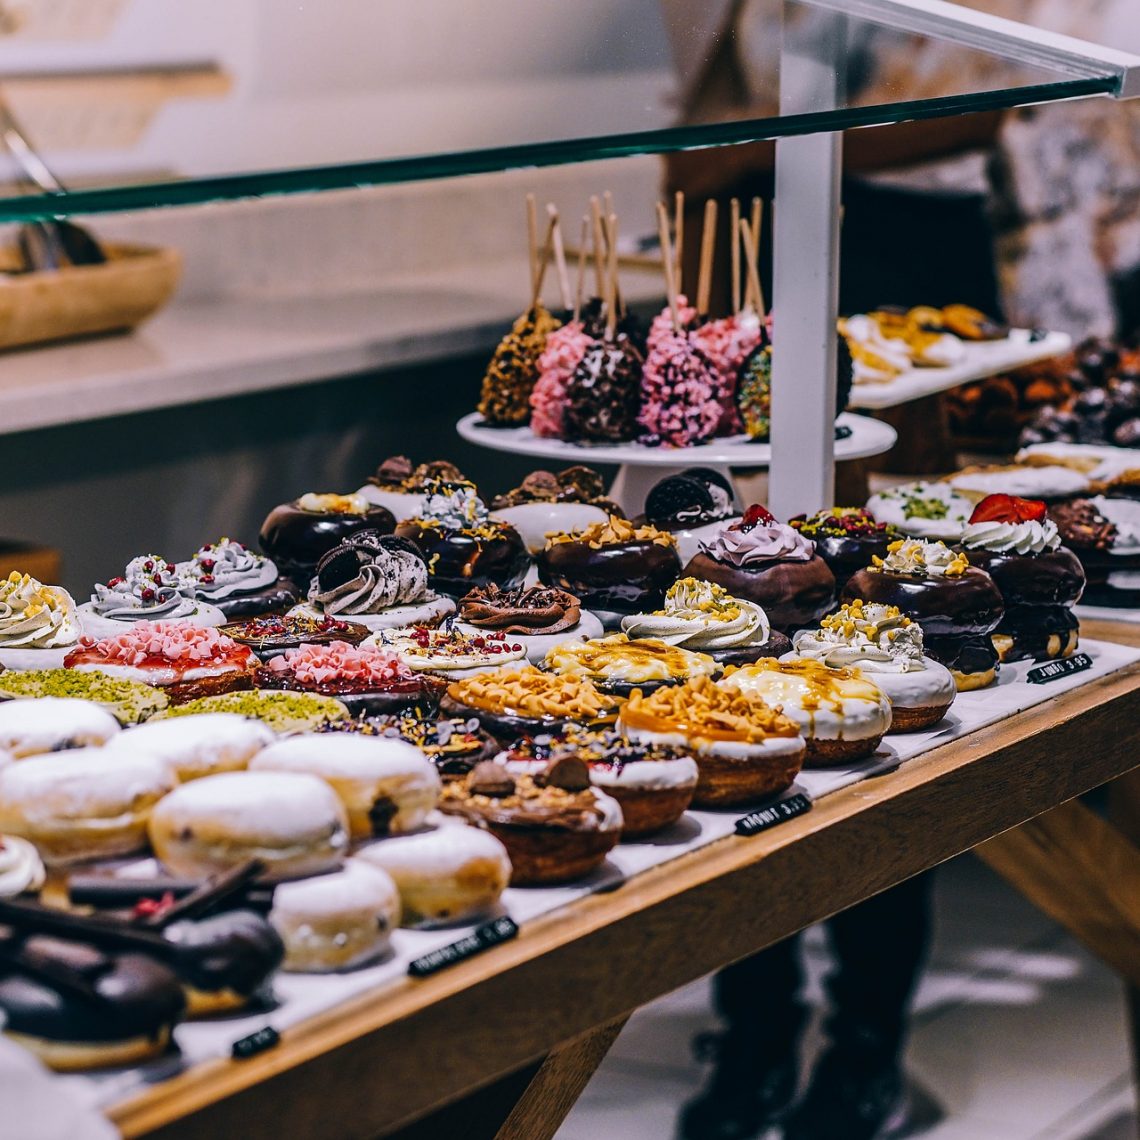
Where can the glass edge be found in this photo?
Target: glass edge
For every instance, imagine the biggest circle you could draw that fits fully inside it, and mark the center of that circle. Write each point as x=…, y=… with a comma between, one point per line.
x=420, y=168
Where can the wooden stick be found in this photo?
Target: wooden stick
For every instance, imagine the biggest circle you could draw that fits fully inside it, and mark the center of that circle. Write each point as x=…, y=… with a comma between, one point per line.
x=667, y=261
x=754, y=292
x=582, y=242
x=544, y=261
x=734, y=241
x=612, y=312
x=678, y=236
x=559, y=257
x=757, y=217
x=611, y=244
x=532, y=239
x=599, y=246
x=708, y=246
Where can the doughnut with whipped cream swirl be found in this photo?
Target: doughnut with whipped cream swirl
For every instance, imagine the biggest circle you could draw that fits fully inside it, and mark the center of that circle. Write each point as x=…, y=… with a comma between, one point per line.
x=1028, y=537
x=225, y=568
x=35, y=616
x=744, y=545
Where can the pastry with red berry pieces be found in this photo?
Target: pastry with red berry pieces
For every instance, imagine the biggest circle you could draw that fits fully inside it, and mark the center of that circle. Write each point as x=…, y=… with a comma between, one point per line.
x=770, y=564
x=183, y=661
x=464, y=546
x=1018, y=545
x=270, y=636
x=957, y=605
x=240, y=583
x=449, y=652
x=378, y=581
x=537, y=617
x=38, y=623
x=846, y=538
x=296, y=535
x=149, y=589
x=613, y=568
x=365, y=679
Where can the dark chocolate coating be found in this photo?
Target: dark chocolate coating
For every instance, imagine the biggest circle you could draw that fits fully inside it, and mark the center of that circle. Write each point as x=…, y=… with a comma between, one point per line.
x=237, y=950
x=793, y=594
x=973, y=653
x=506, y=727
x=296, y=539
x=419, y=695
x=1032, y=628
x=626, y=578
x=845, y=555
x=68, y=991
x=1051, y=578
x=275, y=599
x=944, y=607
x=776, y=646
x=463, y=561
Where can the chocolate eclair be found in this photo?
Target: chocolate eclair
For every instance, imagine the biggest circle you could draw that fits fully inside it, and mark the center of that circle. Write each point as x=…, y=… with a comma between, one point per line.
x=296, y=534
x=555, y=825
x=78, y=1008
x=463, y=545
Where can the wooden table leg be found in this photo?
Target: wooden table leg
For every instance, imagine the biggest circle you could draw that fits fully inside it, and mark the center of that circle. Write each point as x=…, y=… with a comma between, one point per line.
x=529, y=1104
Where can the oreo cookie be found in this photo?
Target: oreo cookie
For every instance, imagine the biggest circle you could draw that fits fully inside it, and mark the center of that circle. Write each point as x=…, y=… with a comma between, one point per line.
x=696, y=496
x=342, y=564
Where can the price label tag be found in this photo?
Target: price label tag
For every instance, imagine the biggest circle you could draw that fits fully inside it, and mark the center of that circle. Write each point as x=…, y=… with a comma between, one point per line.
x=482, y=938
x=257, y=1042
x=1052, y=670
x=755, y=822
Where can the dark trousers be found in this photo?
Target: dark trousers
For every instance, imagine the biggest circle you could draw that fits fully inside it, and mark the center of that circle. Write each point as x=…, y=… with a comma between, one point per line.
x=879, y=949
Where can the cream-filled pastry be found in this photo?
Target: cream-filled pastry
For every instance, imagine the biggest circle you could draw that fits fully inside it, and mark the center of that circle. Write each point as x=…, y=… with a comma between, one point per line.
x=38, y=623
x=449, y=652
x=199, y=745
x=89, y=803
x=450, y=873
x=387, y=786
x=887, y=646
x=149, y=589
x=618, y=664
x=745, y=749
x=378, y=581
x=841, y=713
x=338, y=921
x=21, y=868
x=53, y=724
x=923, y=510
x=705, y=618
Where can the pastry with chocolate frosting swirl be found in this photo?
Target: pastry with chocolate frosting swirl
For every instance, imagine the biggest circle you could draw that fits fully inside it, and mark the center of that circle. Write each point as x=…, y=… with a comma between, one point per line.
x=529, y=609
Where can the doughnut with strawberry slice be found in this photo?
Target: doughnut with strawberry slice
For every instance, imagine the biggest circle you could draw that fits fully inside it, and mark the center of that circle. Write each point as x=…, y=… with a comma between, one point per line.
x=1019, y=546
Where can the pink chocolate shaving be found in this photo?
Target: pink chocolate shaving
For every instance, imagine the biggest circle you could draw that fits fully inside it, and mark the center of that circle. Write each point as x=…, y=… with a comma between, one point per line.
x=663, y=323
x=171, y=640
x=315, y=664
x=564, y=350
x=679, y=393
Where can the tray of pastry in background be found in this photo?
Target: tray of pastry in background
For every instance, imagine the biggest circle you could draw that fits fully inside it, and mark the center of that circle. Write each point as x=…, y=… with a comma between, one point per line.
x=84, y=300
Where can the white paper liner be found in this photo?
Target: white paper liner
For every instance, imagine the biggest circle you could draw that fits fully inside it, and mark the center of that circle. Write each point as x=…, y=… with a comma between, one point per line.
x=303, y=996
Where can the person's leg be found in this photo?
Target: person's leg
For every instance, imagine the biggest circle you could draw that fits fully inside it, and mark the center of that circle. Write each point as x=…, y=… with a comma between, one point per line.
x=857, y=1089
x=757, y=1054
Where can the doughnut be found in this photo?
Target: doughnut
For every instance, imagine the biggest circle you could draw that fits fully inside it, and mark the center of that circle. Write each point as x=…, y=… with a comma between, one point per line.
x=202, y=745
x=453, y=873
x=338, y=921
x=387, y=786
x=89, y=803
x=51, y=724
x=293, y=823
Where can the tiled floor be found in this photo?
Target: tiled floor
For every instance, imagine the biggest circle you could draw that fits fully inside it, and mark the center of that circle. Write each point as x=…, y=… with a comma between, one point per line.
x=1019, y=1034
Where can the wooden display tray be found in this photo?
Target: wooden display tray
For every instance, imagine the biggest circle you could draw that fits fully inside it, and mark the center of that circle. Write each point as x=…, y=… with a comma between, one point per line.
x=83, y=300
x=529, y=1021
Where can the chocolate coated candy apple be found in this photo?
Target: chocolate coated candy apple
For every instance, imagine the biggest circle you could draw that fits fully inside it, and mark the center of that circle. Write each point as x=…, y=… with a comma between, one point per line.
x=768, y=563
x=295, y=535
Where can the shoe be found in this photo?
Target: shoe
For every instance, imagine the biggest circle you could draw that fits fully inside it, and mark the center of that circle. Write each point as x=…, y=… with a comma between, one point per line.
x=852, y=1096
x=749, y=1089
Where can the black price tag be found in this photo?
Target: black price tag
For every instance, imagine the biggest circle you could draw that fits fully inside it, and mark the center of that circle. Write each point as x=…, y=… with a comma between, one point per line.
x=245, y=1047
x=756, y=821
x=1051, y=670
x=482, y=938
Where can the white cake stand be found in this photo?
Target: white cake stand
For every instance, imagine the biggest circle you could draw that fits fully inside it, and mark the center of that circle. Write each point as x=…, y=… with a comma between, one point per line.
x=641, y=467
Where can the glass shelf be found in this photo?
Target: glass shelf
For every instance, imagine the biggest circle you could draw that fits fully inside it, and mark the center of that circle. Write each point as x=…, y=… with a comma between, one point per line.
x=329, y=96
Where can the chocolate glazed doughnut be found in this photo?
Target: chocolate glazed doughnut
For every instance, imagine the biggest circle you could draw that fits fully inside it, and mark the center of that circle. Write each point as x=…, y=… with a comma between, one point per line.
x=296, y=539
x=1051, y=578
x=792, y=594
x=461, y=560
x=846, y=556
x=628, y=577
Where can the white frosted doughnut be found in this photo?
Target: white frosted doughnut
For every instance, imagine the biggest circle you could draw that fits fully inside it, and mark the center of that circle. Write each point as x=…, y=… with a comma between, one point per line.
x=337, y=921
x=88, y=803
x=51, y=724
x=449, y=874
x=293, y=823
x=387, y=785
x=199, y=745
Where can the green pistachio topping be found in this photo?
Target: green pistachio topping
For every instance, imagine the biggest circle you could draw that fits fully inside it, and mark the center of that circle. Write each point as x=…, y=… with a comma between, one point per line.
x=128, y=701
x=284, y=712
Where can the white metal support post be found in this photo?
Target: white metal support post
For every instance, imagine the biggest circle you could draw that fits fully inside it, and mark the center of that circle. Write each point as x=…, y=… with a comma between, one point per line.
x=805, y=283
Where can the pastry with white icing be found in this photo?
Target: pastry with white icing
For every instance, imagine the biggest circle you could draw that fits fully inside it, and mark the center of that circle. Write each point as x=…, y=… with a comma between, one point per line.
x=922, y=510
x=201, y=745
x=52, y=724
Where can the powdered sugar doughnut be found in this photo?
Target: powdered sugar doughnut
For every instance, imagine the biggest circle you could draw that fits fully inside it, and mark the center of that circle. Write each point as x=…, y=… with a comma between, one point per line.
x=293, y=823
x=337, y=921
x=51, y=724
x=199, y=745
x=386, y=785
x=450, y=874
x=88, y=803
